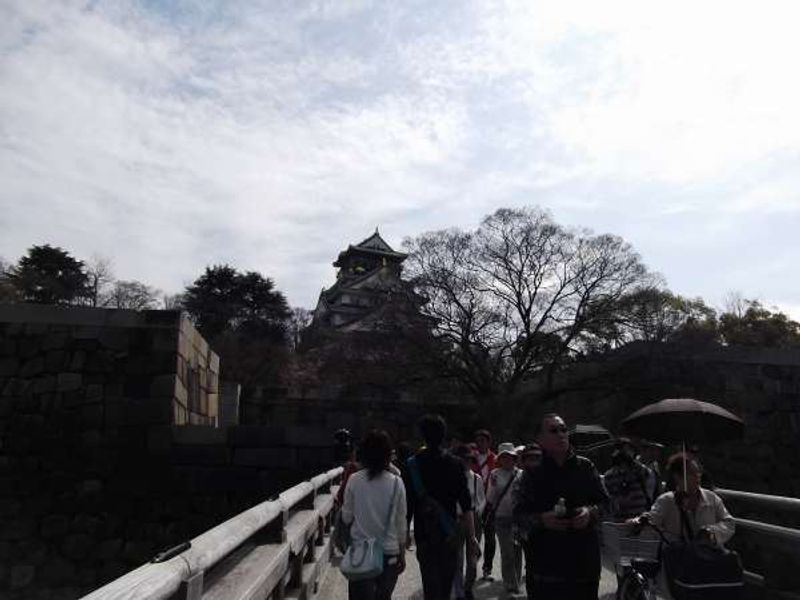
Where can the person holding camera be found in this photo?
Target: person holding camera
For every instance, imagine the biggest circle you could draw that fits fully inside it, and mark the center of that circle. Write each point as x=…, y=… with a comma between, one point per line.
x=557, y=505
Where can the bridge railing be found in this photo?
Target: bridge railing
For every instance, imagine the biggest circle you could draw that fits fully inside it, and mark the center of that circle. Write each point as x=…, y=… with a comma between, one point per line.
x=770, y=552
x=272, y=549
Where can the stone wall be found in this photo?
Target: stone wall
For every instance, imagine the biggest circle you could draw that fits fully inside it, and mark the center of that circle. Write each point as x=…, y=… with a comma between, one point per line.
x=88, y=399
x=761, y=385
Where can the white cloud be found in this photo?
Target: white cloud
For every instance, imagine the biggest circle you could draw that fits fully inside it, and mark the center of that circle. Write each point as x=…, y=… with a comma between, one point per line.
x=172, y=135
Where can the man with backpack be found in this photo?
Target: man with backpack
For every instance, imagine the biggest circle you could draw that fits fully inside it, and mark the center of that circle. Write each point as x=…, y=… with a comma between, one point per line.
x=437, y=484
x=627, y=482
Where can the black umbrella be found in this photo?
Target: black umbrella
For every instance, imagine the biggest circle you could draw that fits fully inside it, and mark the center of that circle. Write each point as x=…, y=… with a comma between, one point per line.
x=588, y=435
x=684, y=420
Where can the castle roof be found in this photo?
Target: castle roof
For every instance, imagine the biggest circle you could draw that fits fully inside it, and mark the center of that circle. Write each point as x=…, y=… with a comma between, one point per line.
x=374, y=245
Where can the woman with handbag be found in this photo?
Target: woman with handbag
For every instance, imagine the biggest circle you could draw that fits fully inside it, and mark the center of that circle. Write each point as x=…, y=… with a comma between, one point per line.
x=375, y=508
x=697, y=523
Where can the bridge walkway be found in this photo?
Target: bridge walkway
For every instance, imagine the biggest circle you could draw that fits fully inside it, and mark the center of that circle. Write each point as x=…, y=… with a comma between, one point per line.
x=409, y=586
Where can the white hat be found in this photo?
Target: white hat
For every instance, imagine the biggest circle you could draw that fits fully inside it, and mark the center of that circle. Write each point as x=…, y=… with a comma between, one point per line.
x=507, y=448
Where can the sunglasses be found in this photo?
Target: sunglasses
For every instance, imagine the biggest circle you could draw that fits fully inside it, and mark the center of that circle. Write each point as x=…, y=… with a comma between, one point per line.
x=559, y=429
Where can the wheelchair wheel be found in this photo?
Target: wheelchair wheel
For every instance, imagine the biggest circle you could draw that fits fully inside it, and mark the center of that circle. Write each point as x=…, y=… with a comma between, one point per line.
x=633, y=586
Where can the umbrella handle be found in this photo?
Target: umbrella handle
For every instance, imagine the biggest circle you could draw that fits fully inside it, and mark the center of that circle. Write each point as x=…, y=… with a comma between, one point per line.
x=685, y=486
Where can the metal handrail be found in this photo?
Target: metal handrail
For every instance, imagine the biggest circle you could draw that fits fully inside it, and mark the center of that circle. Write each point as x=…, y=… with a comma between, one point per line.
x=161, y=580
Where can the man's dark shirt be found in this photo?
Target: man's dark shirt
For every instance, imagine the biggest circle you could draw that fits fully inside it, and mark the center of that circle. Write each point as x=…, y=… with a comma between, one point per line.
x=445, y=481
x=571, y=555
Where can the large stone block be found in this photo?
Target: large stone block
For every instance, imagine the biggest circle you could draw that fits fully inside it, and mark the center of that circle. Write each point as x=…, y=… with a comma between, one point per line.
x=213, y=362
x=17, y=528
x=77, y=361
x=200, y=435
x=257, y=435
x=32, y=367
x=9, y=366
x=136, y=412
x=107, y=550
x=315, y=458
x=265, y=457
x=8, y=347
x=55, y=360
x=163, y=386
x=77, y=546
x=29, y=347
x=45, y=384
x=32, y=551
x=213, y=405
x=159, y=438
x=55, y=340
x=21, y=576
x=68, y=382
x=92, y=416
x=315, y=437
x=181, y=393
x=58, y=571
x=199, y=455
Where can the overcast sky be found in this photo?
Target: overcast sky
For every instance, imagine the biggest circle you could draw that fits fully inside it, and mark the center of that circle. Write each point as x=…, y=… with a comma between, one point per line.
x=169, y=135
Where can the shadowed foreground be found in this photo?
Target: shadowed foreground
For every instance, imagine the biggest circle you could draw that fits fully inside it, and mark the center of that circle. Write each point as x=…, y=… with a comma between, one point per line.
x=409, y=586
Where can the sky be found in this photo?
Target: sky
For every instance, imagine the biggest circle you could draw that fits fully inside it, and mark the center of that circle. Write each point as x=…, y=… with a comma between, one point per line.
x=168, y=135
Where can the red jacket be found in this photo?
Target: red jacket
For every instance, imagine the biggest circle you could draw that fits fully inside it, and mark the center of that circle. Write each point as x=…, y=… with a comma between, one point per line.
x=486, y=467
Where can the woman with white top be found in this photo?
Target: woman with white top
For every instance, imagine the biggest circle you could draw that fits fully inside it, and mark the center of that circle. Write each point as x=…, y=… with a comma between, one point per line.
x=708, y=519
x=374, y=494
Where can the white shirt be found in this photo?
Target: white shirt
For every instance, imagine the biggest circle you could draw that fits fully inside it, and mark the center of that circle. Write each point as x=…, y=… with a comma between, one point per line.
x=366, y=506
x=710, y=514
x=497, y=483
x=477, y=492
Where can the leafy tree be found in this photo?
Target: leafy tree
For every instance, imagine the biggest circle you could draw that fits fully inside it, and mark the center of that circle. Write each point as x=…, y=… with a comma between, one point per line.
x=133, y=295
x=516, y=296
x=651, y=314
x=49, y=275
x=247, y=304
x=754, y=325
x=244, y=318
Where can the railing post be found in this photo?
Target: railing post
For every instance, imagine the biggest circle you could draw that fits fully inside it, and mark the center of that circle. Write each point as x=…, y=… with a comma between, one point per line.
x=307, y=503
x=274, y=532
x=192, y=588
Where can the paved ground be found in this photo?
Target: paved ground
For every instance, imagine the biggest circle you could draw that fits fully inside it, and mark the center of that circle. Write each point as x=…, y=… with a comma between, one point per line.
x=409, y=586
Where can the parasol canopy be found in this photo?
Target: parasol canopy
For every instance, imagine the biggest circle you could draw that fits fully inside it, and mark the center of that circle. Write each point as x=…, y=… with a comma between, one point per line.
x=684, y=420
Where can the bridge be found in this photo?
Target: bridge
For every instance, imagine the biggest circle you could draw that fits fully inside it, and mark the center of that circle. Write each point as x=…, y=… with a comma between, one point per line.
x=281, y=549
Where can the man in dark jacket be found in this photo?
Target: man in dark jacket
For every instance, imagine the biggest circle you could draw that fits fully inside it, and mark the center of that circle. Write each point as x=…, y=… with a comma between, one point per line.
x=436, y=483
x=556, y=508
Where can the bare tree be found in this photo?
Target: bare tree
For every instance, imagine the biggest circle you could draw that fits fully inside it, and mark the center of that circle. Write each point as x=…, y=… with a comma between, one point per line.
x=172, y=301
x=100, y=275
x=133, y=295
x=513, y=297
x=8, y=293
x=299, y=319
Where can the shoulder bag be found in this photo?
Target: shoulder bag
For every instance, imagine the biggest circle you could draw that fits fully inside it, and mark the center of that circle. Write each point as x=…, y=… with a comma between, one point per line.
x=700, y=570
x=364, y=559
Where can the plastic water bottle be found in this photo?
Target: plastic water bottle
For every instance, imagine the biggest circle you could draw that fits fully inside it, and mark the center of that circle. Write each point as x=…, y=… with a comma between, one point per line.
x=560, y=508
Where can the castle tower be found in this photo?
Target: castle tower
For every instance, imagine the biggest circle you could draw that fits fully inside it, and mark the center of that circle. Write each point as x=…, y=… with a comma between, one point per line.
x=368, y=276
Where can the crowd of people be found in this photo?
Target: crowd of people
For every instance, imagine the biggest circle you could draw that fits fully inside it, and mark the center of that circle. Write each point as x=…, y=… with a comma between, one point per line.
x=540, y=503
